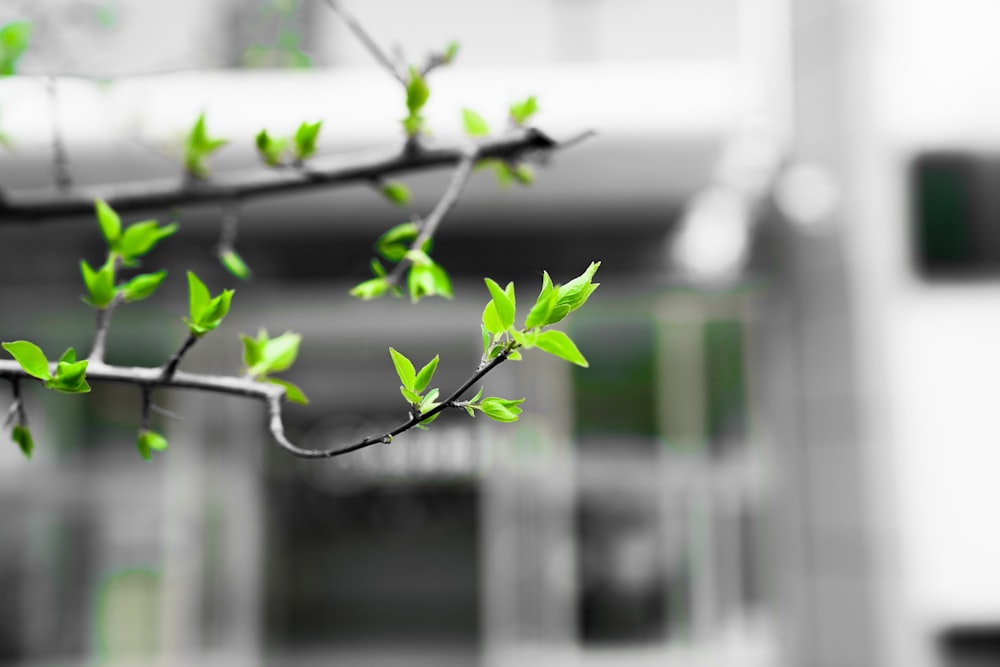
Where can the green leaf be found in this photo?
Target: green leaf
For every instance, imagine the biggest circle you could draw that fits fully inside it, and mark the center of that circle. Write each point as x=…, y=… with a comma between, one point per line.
x=305, y=139
x=277, y=354
x=428, y=402
x=418, y=257
x=253, y=351
x=576, y=292
x=547, y=298
x=270, y=148
x=69, y=356
x=559, y=344
x=502, y=303
x=143, y=286
x=394, y=244
x=503, y=173
x=485, y=330
x=425, y=374
x=450, y=52
x=524, y=339
x=141, y=237
x=475, y=126
x=292, y=392
x=216, y=310
x=417, y=92
x=110, y=222
x=14, y=39
x=235, y=264
x=30, y=357
x=426, y=278
x=491, y=322
x=501, y=409
x=404, y=369
x=396, y=192
x=410, y=395
x=413, y=124
x=370, y=289
x=100, y=284
x=423, y=423
x=148, y=441
x=523, y=174
x=198, y=297
x=22, y=438
x=521, y=111
x=198, y=147
x=70, y=374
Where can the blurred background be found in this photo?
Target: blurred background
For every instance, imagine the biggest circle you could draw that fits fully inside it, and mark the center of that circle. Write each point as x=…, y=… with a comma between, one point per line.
x=782, y=454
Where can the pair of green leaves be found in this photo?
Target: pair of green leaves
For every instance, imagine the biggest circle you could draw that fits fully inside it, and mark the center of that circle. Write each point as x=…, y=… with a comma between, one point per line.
x=414, y=383
x=70, y=375
x=425, y=277
x=124, y=246
x=303, y=142
x=505, y=172
x=498, y=409
x=417, y=94
x=149, y=441
x=14, y=39
x=101, y=288
x=133, y=242
x=199, y=147
x=552, y=305
x=264, y=355
x=205, y=312
x=519, y=113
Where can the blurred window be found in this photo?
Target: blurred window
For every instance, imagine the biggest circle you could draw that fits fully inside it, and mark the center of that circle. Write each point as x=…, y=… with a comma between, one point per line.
x=670, y=507
x=955, y=215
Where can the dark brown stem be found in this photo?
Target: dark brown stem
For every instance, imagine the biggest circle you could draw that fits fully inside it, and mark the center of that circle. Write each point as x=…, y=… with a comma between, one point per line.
x=277, y=430
x=170, y=368
x=447, y=201
x=44, y=205
x=359, y=31
x=103, y=317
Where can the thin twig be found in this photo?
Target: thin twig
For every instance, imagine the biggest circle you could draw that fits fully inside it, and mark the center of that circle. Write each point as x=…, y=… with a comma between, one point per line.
x=277, y=429
x=60, y=160
x=101, y=329
x=229, y=225
x=369, y=43
x=44, y=205
x=447, y=201
x=170, y=368
x=149, y=378
x=146, y=413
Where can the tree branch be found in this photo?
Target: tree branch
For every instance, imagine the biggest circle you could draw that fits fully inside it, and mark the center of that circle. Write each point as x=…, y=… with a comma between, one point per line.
x=277, y=430
x=170, y=368
x=41, y=205
x=448, y=199
x=148, y=379
x=369, y=43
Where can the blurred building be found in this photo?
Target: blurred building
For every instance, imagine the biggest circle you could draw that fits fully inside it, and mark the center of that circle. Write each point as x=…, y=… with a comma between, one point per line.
x=780, y=455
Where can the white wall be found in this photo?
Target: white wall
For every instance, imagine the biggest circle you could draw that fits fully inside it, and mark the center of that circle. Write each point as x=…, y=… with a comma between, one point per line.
x=927, y=76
